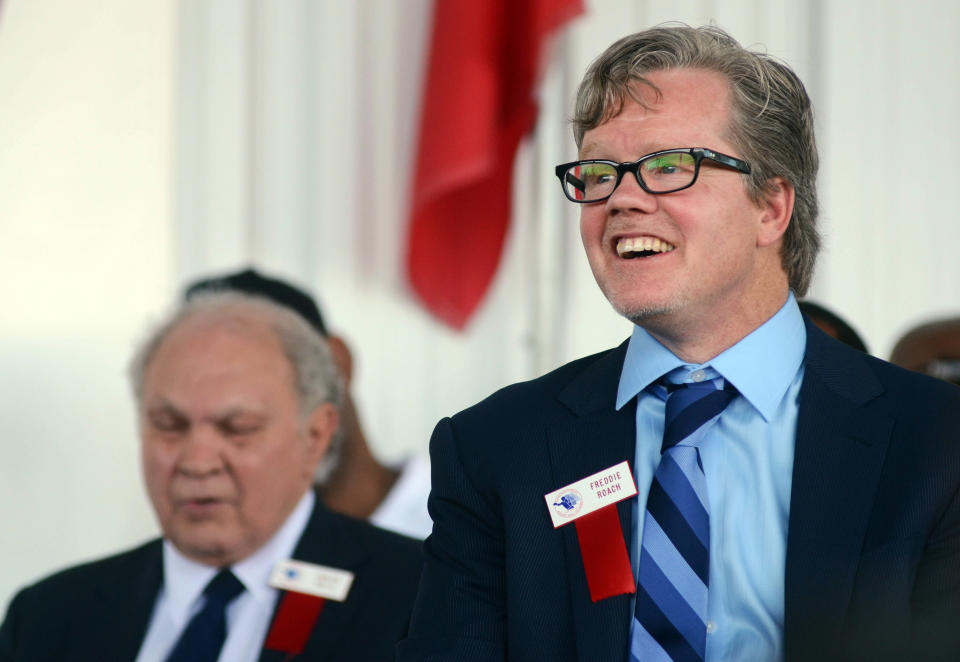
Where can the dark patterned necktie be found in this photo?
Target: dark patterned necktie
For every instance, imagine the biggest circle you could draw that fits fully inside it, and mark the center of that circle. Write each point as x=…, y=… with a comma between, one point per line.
x=203, y=637
x=671, y=609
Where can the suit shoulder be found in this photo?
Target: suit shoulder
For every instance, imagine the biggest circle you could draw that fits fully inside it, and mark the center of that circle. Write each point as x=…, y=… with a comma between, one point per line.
x=912, y=379
x=523, y=396
x=916, y=390
x=870, y=380
x=390, y=566
x=925, y=411
x=43, y=621
x=96, y=573
x=380, y=543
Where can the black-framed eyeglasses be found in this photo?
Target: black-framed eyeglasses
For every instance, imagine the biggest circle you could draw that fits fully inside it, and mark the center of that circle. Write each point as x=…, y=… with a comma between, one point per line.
x=666, y=171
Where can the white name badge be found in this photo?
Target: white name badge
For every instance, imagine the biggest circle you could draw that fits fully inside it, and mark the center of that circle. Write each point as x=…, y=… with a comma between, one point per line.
x=312, y=579
x=590, y=494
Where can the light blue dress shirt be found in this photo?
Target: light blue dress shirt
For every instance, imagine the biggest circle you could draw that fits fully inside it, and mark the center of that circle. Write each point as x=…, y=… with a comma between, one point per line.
x=748, y=463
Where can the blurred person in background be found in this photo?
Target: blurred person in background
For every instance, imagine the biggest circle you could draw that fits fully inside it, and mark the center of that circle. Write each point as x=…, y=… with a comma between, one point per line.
x=731, y=483
x=932, y=348
x=238, y=402
x=350, y=479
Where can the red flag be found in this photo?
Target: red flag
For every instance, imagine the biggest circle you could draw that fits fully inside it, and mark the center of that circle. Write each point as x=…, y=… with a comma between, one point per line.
x=478, y=105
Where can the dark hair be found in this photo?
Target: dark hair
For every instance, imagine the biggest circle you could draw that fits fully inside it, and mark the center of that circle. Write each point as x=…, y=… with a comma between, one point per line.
x=253, y=282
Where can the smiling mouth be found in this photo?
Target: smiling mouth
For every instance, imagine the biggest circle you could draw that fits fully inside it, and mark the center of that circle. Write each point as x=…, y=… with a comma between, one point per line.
x=630, y=248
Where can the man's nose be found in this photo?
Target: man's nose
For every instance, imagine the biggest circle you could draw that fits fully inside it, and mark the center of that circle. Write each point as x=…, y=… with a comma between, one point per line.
x=201, y=453
x=629, y=195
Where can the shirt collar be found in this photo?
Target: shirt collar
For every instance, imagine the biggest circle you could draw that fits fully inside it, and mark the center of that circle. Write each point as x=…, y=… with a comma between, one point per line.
x=645, y=362
x=184, y=579
x=761, y=365
x=183, y=582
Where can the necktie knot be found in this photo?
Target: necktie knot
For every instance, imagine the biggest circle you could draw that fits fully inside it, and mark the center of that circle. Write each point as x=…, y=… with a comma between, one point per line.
x=690, y=406
x=224, y=587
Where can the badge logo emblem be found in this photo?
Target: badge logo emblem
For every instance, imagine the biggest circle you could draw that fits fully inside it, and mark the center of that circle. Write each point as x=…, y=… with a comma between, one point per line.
x=568, y=504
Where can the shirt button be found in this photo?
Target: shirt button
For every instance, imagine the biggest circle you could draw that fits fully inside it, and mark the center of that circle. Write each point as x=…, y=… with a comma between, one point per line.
x=711, y=627
x=698, y=375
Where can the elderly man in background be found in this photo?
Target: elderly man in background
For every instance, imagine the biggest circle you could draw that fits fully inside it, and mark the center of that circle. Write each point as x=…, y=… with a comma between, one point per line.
x=237, y=400
x=350, y=479
x=794, y=499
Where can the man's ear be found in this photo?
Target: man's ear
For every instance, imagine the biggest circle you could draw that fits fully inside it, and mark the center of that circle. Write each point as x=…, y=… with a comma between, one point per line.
x=321, y=425
x=777, y=206
x=342, y=357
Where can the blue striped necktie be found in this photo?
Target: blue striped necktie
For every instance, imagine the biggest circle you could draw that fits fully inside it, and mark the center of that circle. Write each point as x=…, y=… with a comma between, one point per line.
x=204, y=635
x=671, y=608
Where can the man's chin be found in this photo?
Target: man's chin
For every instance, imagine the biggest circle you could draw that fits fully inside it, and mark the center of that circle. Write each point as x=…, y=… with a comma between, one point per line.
x=640, y=314
x=207, y=547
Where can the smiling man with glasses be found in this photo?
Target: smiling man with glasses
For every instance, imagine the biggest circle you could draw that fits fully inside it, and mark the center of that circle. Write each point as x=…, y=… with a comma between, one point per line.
x=730, y=483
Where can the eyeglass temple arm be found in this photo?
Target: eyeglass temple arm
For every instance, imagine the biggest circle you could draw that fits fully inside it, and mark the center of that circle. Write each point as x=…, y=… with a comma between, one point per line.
x=728, y=161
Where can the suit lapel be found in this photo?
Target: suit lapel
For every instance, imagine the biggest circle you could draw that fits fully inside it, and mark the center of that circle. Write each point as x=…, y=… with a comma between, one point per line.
x=599, y=438
x=127, y=604
x=324, y=542
x=840, y=448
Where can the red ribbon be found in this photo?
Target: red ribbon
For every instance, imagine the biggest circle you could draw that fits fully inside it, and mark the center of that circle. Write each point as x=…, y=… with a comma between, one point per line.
x=294, y=622
x=604, y=552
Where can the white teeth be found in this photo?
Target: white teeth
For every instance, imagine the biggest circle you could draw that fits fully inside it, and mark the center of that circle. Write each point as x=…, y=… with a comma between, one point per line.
x=640, y=244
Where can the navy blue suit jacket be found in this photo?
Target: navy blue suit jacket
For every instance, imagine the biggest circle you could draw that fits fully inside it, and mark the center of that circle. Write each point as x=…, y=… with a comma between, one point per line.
x=99, y=612
x=873, y=549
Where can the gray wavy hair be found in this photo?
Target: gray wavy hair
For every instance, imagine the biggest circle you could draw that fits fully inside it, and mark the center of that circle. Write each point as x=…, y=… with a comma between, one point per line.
x=317, y=378
x=772, y=117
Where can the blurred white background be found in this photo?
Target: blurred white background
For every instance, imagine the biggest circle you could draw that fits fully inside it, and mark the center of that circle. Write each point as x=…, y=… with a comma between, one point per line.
x=145, y=143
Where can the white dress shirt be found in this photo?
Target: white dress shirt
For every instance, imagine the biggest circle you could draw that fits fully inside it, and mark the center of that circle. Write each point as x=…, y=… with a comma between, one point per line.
x=404, y=509
x=248, y=616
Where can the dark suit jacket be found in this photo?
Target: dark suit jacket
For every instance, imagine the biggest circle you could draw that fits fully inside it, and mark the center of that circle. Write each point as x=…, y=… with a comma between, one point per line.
x=99, y=612
x=873, y=549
